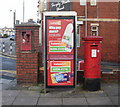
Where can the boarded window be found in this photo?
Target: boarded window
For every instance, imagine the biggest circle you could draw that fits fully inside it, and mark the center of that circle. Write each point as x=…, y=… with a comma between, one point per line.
x=82, y=2
x=93, y=2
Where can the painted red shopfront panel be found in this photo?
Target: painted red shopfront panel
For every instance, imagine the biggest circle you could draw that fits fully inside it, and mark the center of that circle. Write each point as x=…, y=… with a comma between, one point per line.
x=60, y=51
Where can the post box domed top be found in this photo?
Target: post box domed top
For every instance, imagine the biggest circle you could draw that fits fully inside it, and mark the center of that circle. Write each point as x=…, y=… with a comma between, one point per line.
x=92, y=38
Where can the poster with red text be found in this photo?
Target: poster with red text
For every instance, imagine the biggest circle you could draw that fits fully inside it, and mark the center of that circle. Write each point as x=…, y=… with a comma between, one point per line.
x=60, y=36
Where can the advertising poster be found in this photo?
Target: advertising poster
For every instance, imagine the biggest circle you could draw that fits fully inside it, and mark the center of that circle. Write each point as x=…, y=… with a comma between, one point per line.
x=60, y=36
x=60, y=73
x=60, y=55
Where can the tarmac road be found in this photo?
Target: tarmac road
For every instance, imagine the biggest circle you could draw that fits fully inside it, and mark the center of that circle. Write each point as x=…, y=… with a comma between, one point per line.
x=7, y=63
x=7, y=71
x=7, y=46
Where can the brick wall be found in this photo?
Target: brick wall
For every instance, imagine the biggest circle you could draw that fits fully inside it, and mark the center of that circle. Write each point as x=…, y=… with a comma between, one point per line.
x=27, y=61
x=108, y=9
x=108, y=29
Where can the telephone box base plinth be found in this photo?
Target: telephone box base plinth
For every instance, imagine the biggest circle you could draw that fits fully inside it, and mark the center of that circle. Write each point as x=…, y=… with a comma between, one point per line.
x=92, y=84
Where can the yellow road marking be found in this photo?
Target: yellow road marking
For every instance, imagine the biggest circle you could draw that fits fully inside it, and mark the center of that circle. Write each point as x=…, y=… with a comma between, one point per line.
x=7, y=57
x=10, y=71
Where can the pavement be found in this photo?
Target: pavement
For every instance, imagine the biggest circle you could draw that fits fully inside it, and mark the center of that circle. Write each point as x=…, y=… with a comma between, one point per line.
x=34, y=95
x=14, y=95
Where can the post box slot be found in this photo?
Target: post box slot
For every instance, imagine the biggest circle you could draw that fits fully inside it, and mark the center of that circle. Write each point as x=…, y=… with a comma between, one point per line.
x=93, y=45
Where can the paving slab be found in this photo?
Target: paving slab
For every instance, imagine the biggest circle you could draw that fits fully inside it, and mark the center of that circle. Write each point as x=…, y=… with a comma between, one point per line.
x=106, y=86
x=73, y=95
x=114, y=100
x=51, y=95
x=111, y=89
x=75, y=106
x=95, y=94
x=74, y=101
x=25, y=101
x=0, y=94
x=107, y=96
x=8, y=100
x=0, y=100
x=35, y=88
x=10, y=93
x=27, y=93
x=50, y=101
x=0, y=87
x=99, y=101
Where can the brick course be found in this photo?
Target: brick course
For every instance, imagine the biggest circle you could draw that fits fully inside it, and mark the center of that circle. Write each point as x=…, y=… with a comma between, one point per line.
x=27, y=62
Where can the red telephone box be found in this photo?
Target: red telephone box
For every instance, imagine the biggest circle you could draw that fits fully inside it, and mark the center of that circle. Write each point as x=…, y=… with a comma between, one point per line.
x=92, y=62
x=26, y=40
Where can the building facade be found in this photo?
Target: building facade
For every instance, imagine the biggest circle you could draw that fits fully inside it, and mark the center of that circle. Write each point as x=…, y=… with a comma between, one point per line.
x=8, y=31
x=101, y=19
x=93, y=19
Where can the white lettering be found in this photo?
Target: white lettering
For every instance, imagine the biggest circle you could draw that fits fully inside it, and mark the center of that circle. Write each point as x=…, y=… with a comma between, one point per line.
x=60, y=5
x=52, y=27
x=53, y=31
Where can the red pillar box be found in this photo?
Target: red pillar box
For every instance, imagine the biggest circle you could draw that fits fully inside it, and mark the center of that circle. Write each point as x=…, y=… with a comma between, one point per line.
x=92, y=58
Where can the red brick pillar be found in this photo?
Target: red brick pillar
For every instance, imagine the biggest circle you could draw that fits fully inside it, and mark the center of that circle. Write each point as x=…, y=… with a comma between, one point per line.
x=27, y=46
